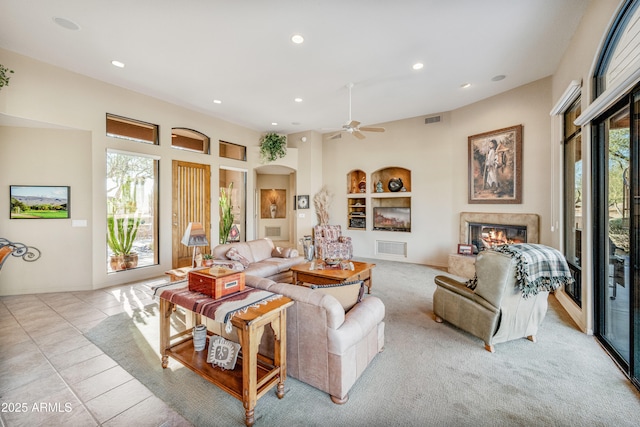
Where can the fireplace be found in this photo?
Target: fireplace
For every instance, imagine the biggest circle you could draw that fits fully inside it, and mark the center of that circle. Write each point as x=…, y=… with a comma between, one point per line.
x=485, y=230
x=489, y=236
x=517, y=225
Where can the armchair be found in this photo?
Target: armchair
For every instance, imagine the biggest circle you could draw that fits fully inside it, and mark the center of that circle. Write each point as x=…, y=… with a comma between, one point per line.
x=330, y=243
x=496, y=310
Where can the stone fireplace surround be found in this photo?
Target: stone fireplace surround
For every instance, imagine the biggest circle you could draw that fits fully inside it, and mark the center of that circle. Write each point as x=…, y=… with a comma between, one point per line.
x=464, y=265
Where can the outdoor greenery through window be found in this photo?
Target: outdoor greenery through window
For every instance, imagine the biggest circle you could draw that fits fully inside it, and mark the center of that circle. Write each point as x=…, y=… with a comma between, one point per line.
x=132, y=231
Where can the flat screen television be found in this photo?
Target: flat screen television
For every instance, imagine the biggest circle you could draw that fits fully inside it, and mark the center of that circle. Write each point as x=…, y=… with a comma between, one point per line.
x=392, y=219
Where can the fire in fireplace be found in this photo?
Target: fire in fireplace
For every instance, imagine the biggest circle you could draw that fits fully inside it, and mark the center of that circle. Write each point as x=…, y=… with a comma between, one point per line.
x=487, y=236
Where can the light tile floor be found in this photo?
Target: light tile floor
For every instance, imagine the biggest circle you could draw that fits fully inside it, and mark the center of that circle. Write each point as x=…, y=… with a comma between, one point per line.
x=51, y=375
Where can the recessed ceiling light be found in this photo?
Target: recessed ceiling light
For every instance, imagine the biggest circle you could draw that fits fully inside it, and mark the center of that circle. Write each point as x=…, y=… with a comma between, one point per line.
x=217, y=101
x=117, y=64
x=418, y=66
x=274, y=124
x=295, y=123
x=298, y=99
x=297, y=38
x=465, y=85
x=498, y=78
x=66, y=23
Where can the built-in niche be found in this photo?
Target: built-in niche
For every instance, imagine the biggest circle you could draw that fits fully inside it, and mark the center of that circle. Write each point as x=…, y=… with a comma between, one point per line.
x=388, y=201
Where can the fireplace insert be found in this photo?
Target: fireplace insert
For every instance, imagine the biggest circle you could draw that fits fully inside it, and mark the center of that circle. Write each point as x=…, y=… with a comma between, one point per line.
x=487, y=236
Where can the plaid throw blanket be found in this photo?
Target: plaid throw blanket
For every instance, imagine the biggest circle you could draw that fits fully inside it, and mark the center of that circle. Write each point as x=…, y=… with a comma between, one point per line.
x=539, y=268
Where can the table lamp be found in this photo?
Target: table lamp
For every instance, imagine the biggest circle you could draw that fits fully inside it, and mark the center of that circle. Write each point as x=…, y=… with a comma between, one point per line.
x=194, y=236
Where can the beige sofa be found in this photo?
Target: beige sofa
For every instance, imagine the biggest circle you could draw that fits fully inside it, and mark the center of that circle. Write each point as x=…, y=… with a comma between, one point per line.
x=262, y=260
x=326, y=347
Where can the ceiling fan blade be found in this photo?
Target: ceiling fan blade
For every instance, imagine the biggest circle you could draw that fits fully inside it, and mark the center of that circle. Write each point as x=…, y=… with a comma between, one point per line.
x=353, y=124
x=371, y=129
x=358, y=134
x=335, y=136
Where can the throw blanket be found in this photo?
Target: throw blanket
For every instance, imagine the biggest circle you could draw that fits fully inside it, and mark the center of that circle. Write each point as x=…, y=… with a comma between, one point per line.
x=539, y=268
x=221, y=310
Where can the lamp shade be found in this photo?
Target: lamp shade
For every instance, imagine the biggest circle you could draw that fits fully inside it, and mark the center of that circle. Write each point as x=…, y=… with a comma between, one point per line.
x=195, y=235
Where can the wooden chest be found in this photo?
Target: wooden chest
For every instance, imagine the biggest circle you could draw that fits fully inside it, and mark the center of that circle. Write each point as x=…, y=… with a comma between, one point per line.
x=216, y=282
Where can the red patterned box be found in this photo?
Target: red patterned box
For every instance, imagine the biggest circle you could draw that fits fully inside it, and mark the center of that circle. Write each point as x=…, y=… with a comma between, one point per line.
x=216, y=281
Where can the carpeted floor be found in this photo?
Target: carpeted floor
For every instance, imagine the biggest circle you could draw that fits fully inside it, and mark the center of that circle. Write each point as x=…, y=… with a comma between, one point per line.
x=428, y=375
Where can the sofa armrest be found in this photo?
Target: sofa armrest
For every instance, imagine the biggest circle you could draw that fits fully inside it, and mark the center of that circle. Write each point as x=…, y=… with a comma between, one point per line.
x=358, y=322
x=344, y=239
x=462, y=291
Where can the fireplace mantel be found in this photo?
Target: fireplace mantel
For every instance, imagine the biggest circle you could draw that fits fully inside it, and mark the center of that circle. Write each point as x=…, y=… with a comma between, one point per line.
x=464, y=265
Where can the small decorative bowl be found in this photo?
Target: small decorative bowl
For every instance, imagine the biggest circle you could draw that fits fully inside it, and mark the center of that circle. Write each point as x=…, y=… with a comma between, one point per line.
x=332, y=261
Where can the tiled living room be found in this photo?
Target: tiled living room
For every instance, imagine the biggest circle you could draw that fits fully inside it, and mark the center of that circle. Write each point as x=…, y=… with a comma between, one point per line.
x=393, y=126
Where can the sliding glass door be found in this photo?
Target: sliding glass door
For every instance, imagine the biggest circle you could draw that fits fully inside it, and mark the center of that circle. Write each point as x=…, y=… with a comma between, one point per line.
x=616, y=246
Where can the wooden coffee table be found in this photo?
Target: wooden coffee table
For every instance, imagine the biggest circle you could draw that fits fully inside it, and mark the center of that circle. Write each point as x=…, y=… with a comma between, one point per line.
x=361, y=271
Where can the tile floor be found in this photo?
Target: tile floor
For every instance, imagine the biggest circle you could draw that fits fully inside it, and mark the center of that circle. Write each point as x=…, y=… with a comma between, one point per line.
x=50, y=374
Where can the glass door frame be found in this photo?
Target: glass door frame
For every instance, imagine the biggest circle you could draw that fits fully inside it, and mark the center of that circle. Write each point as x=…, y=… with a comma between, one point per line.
x=600, y=217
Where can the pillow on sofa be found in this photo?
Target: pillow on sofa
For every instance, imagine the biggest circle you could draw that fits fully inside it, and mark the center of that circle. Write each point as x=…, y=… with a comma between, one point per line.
x=348, y=293
x=236, y=256
x=279, y=252
x=230, y=264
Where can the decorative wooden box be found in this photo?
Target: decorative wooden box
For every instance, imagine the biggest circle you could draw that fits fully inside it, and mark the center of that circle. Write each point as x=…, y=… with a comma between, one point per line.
x=216, y=281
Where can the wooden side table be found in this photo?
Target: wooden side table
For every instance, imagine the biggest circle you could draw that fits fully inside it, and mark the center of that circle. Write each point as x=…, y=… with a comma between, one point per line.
x=253, y=374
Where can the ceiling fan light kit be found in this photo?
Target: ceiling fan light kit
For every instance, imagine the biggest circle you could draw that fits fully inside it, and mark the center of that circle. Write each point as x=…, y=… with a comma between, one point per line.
x=353, y=126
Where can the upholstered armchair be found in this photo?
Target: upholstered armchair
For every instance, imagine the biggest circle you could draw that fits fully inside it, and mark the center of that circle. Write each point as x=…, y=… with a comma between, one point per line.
x=496, y=310
x=330, y=243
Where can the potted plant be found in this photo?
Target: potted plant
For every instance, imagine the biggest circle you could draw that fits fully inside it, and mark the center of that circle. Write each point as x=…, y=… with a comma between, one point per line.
x=123, y=223
x=207, y=260
x=226, y=214
x=4, y=79
x=272, y=147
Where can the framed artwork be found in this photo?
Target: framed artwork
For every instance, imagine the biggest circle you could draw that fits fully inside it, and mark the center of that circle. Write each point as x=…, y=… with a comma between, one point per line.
x=465, y=249
x=273, y=203
x=495, y=166
x=39, y=202
x=222, y=352
x=303, y=202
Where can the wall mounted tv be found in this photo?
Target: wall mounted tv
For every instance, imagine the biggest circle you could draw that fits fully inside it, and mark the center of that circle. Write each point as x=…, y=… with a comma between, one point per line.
x=392, y=219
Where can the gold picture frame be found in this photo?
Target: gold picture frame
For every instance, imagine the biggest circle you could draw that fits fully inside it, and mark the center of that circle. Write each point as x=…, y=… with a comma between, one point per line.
x=495, y=166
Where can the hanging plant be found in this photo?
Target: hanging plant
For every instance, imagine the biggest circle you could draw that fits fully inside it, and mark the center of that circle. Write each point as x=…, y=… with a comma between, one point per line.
x=272, y=147
x=4, y=79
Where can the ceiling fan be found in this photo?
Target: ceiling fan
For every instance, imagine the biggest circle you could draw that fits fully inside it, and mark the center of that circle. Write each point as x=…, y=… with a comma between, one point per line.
x=353, y=126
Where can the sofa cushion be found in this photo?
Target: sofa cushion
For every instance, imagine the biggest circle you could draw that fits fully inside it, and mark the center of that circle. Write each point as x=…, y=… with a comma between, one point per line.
x=262, y=269
x=279, y=252
x=348, y=293
x=235, y=255
x=260, y=249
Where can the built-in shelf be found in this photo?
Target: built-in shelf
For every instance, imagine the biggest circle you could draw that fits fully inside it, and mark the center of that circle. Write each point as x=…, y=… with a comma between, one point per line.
x=357, y=213
x=390, y=189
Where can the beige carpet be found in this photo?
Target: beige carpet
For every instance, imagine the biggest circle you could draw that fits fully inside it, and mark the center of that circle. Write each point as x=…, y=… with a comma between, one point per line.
x=428, y=375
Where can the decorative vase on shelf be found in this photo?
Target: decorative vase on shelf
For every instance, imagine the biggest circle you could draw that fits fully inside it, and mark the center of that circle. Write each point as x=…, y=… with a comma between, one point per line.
x=379, y=187
x=272, y=210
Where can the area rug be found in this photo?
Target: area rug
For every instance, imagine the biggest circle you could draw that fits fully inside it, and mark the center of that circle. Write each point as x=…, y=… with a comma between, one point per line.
x=429, y=374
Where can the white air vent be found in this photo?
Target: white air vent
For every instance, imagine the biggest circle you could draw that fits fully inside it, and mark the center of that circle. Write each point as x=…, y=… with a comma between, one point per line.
x=391, y=248
x=272, y=232
x=429, y=120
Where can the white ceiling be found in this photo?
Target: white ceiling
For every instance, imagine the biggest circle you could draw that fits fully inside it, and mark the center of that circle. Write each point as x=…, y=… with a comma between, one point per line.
x=191, y=52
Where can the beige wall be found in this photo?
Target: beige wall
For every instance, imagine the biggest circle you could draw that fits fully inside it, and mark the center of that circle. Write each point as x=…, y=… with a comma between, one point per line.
x=50, y=95
x=437, y=155
x=47, y=157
